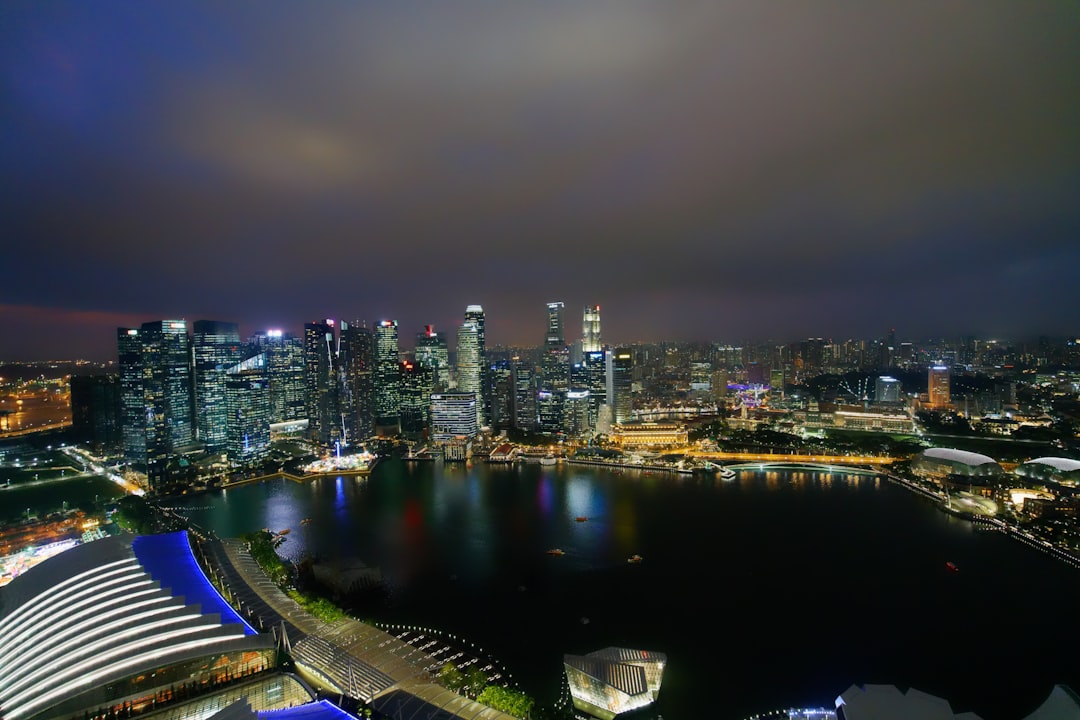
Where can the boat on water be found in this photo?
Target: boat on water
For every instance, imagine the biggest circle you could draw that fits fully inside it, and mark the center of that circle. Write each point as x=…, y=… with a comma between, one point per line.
x=556, y=551
x=726, y=474
x=634, y=559
x=581, y=518
x=305, y=521
x=286, y=531
x=547, y=460
x=951, y=567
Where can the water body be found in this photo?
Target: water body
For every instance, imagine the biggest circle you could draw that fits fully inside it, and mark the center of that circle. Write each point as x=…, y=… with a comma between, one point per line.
x=773, y=590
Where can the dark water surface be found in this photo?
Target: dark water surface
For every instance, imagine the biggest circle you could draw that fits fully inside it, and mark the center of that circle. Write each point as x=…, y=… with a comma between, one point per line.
x=772, y=590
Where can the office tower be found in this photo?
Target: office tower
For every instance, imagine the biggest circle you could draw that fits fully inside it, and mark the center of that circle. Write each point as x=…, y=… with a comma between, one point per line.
x=500, y=377
x=322, y=378
x=475, y=314
x=577, y=419
x=554, y=372
x=416, y=391
x=887, y=389
x=813, y=355
x=155, y=386
x=431, y=352
x=701, y=376
x=524, y=381
x=95, y=411
x=285, y=373
x=247, y=400
x=357, y=347
x=620, y=367
x=596, y=383
x=217, y=348
x=937, y=391
x=453, y=415
x=132, y=403
x=387, y=379
x=468, y=364
x=590, y=330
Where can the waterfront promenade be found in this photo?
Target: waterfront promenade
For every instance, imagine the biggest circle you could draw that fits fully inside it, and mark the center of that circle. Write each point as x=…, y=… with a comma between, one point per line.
x=346, y=656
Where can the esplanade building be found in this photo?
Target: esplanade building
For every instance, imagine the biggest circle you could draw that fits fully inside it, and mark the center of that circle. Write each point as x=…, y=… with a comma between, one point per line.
x=941, y=463
x=1063, y=471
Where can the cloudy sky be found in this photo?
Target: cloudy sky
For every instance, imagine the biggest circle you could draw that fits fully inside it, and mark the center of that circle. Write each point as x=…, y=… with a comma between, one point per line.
x=702, y=170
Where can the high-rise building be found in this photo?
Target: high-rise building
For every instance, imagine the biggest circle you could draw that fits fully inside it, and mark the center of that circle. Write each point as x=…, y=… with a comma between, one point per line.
x=285, y=373
x=596, y=383
x=500, y=376
x=95, y=411
x=387, y=379
x=156, y=391
x=620, y=368
x=524, y=381
x=247, y=399
x=475, y=314
x=453, y=415
x=554, y=371
x=217, y=348
x=322, y=379
x=937, y=390
x=577, y=420
x=357, y=361
x=132, y=402
x=416, y=390
x=468, y=364
x=431, y=352
x=590, y=330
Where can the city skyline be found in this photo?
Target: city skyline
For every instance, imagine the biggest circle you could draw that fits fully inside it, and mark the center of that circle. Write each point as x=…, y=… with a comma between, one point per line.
x=747, y=171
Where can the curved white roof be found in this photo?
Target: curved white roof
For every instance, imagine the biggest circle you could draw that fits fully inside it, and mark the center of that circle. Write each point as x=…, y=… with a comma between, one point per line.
x=961, y=456
x=1062, y=464
x=104, y=611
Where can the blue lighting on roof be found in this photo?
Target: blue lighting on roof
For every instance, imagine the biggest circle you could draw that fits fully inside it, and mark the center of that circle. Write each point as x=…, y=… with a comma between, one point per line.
x=321, y=710
x=168, y=559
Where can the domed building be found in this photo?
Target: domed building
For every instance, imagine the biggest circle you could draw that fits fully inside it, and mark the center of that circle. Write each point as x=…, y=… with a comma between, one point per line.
x=941, y=463
x=1063, y=471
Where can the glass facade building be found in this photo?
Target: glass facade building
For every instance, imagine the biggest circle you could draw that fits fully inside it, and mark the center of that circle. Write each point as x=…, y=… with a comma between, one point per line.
x=217, y=348
x=453, y=415
x=387, y=378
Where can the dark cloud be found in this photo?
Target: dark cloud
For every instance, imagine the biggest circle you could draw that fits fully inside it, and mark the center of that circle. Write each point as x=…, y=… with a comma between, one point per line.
x=700, y=169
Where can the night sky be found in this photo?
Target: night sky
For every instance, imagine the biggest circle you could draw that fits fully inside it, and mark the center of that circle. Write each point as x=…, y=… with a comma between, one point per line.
x=702, y=170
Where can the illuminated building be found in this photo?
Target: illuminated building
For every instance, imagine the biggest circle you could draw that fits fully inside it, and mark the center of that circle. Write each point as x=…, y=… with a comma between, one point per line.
x=577, y=419
x=648, y=434
x=468, y=363
x=590, y=330
x=1064, y=471
x=614, y=680
x=475, y=315
x=387, y=380
x=416, y=389
x=285, y=372
x=886, y=389
x=118, y=623
x=217, y=348
x=431, y=352
x=549, y=410
x=95, y=410
x=357, y=361
x=620, y=368
x=596, y=382
x=940, y=463
x=247, y=400
x=132, y=407
x=524, y=382
x=155, y=395
x=321, y=380
x=554, y=372
x=453, y=415
x=937, y=389
x=500, y=378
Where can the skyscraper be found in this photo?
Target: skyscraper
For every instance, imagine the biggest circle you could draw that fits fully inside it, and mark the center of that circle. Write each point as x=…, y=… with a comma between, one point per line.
x=620, y=367
x=285, y=373
x=217, y=348
x=431, y=352
x=468, y=364
x=358, y=381
x=937, y=389
x=387, y=379
x=416, y=391
x=453, y=415
x=524, y=380
x=590, y=330
x=475, y=314
x=155, y=386
x=95, y=410
x=247, y=399
x=321, y=377
x=554, y=371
